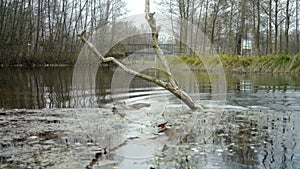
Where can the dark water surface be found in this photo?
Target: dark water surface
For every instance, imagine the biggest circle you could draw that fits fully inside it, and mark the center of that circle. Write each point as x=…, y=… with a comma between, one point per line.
x=251, y=139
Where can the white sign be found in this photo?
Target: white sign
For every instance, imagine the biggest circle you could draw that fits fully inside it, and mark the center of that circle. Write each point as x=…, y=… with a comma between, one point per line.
x=247, y=44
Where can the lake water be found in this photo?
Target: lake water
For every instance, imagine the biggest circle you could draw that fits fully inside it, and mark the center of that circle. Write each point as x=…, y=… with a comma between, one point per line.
x=252, y=140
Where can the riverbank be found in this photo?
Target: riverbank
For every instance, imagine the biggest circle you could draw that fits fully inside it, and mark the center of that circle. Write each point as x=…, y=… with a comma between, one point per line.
x=231, y=63
x=262, y=64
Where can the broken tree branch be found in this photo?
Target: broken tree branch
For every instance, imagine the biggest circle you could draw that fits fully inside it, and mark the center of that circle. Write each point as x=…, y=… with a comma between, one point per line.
x=171, y=85
x=155, y=32
x=159, y=53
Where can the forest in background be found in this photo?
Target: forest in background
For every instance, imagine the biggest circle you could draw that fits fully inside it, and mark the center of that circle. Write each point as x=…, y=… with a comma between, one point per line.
x=271, y=26
x=44, y=31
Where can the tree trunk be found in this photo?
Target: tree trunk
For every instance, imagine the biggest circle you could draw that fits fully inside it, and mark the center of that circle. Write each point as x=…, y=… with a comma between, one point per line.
x=38, y=27
x=270, y=27
x=240, y=34
x=257, y=31
x=276, y=27
x=280, y=38
x=214, y=21
x=191, y=29
x=198, y=25
x=287, y=25
x=205, y=24
x=230, y=34
x=297, y=27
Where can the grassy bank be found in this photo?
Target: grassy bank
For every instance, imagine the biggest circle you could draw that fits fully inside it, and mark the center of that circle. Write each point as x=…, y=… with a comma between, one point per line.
x=272, y=63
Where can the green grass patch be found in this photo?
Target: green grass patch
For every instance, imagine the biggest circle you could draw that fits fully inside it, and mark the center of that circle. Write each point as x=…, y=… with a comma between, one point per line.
x=270, y=63
x=189, y=60
x=274, y=63
x=193, y=61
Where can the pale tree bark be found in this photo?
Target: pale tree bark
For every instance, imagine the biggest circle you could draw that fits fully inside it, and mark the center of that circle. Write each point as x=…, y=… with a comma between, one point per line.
x=171, y=85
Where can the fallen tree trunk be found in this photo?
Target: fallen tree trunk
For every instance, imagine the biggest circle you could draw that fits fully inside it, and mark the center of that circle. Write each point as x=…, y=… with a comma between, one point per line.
x=171, y=85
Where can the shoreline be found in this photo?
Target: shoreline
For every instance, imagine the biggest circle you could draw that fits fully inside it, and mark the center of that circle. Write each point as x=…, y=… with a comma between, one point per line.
x=248, y=64
x=235, y=64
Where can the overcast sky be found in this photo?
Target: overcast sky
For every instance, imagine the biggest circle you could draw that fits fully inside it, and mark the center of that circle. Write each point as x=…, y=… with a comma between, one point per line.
x=138, y=6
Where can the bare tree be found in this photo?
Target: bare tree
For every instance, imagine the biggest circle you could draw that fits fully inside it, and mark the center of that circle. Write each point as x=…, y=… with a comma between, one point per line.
x=241, y=28
x=297, y=26
x=44, y=31
x=230, y=25
x=256, y=26
x=287, y=26
x=275, y=26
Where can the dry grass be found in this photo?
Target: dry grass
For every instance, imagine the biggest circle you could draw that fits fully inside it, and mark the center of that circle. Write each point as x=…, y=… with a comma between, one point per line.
x=270, y=63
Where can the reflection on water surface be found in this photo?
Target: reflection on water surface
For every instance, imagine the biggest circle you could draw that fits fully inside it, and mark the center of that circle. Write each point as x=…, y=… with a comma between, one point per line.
x=264, y=135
